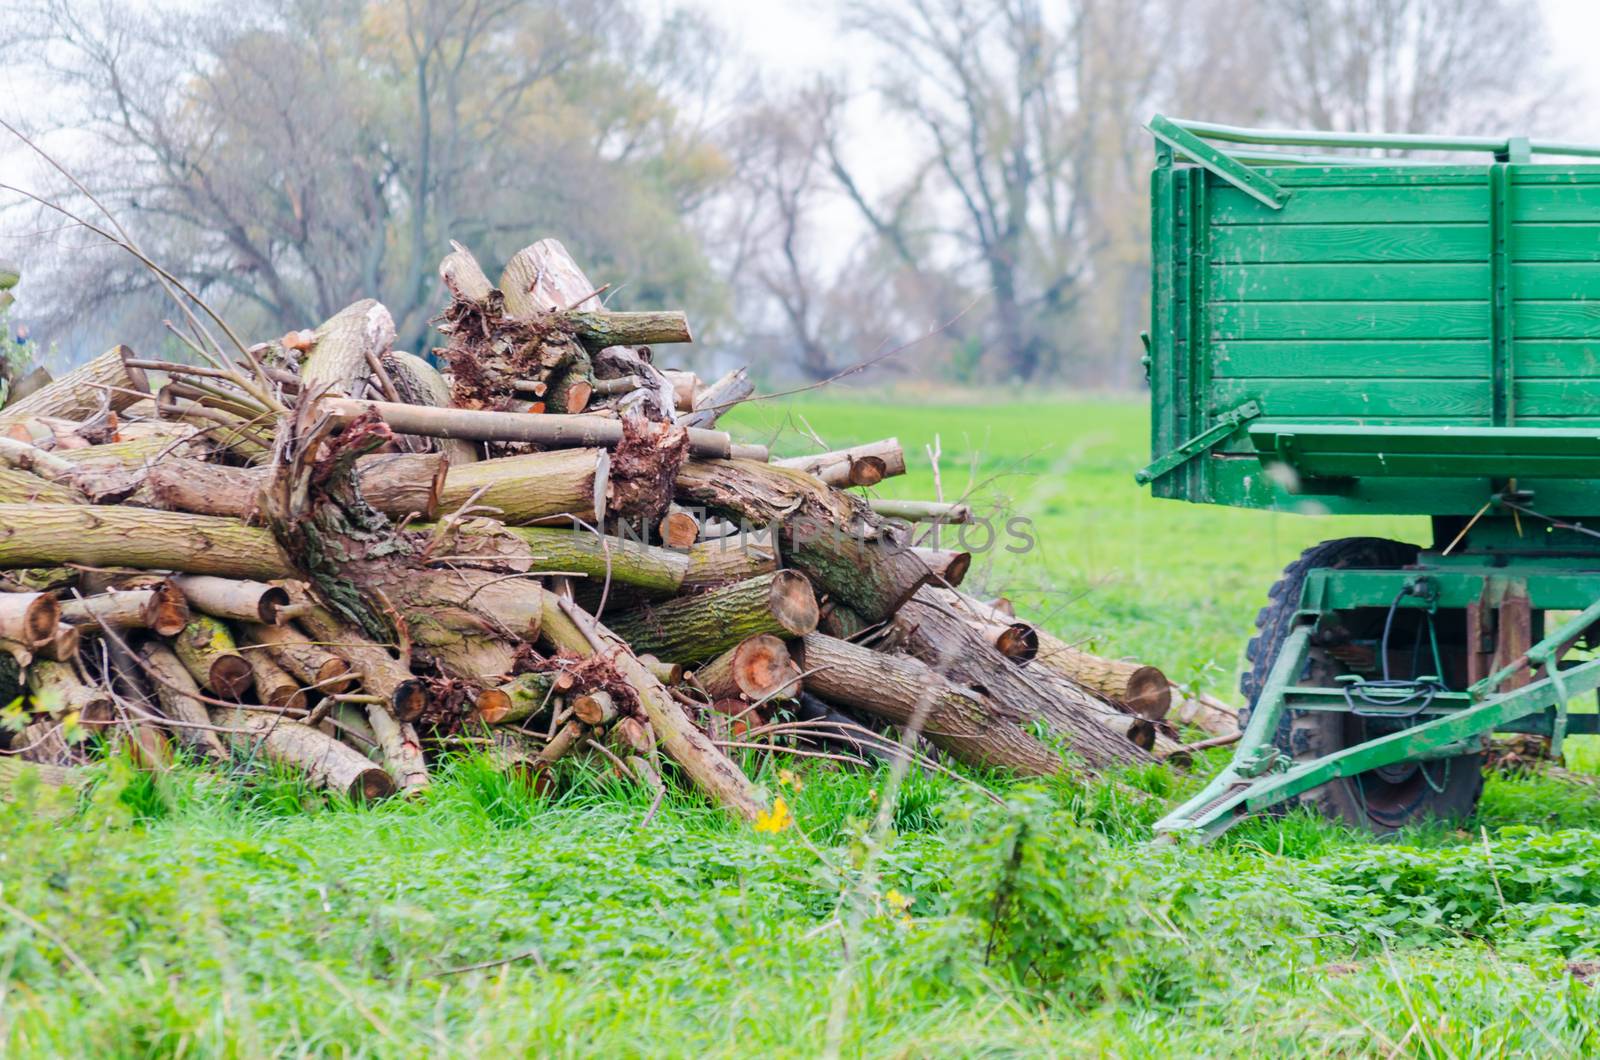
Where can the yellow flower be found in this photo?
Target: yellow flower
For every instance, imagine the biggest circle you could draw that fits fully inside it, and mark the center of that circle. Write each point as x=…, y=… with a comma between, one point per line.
x=775, y=819
x=788, y=779
x=897, y=901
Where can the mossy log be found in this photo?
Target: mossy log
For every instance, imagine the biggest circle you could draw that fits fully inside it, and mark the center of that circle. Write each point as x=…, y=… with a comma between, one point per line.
x=24, y=487
x=730, y=559
x=522, y=697
x=597, y=557
x=694, y=628
x=533, y=485
x=43, y=535
x=104, y=382
x=600, y=328
x=207, y=650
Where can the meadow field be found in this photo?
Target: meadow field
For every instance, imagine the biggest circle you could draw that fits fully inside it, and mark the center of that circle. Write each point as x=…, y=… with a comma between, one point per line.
x=942, y=916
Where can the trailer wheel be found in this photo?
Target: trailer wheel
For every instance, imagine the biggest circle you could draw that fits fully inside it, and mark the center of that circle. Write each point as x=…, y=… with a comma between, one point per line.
x=1381, y=800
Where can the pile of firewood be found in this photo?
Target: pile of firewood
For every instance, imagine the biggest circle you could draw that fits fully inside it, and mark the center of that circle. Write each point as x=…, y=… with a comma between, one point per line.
x=329, y=554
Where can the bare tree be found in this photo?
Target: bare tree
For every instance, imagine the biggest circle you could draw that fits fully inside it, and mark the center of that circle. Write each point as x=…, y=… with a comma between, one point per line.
x=987, y=87
x=1408, y=65
x=293, y=155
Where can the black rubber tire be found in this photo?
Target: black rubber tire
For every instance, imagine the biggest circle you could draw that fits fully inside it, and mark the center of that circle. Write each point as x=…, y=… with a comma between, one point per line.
x=1446, y=790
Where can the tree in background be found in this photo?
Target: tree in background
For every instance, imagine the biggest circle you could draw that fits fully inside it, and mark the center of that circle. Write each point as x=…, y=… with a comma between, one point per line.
x=289, y=156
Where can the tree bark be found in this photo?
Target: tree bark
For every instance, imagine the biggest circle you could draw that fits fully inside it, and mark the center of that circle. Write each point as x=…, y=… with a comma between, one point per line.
x=326, y=762
x=945, y=639
x=312, y=664
x=105, y=382
x=396, y=484
x=207, y=650
x=694, y=628
x=922, y=511
x=908, y=693
x=275, y=686
x=709, y=404
x=24, y=487
x=600, y=328
x=42, y=535
x=1208, y=714
x=237, y=600
x=568, y=628
x=860, y=465
x=162, y=610
x=178, y=695
x=552, y=431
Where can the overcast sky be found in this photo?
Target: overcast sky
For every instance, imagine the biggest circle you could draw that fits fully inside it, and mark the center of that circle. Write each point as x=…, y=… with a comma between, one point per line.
x=797, y=35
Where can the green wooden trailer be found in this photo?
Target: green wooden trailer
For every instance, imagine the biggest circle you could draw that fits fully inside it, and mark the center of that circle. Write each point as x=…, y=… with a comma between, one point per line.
x=1375, y=332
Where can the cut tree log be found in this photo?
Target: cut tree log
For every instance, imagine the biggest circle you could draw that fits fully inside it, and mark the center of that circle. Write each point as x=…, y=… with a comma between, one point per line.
x=552, y=431
x=730, y=559
x=379, y=672
x=569, y=629
x=694, y=628
x=952, y=513
x=179, y=698
x=162, y=610
x=326, y=762
x=236, y=600
x=1138, y=689
x=106, y=382
x=597, y=556
x=756, y=669
x=595, y=709
x=315, y=666
x=522, y=697
x=396, y=484
x=860, y=465
x=275, y=686
x=47, y=535
x=207, y=650
x=1206, y=713
x=30, y=619
x=947, y=640
x=601, y=328
x=346, y=345
x=56, y=689
x=419, y=383
x=24, y=487
x=534, y=485
x=679, y=528
x=710, y=403
x=907, y=692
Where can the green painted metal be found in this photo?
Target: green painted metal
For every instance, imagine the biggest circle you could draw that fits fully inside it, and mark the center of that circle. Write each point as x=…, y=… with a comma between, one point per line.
x=1217, y=161
x=1192, y=448
x=1372, y=301
x=1261, y=777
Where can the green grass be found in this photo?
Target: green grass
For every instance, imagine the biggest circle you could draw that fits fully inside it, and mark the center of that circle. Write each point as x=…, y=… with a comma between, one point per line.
x=248, y=916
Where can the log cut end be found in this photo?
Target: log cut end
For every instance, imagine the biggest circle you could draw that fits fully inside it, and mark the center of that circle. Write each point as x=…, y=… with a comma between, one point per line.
x=1149, y=693
x=794, y=602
